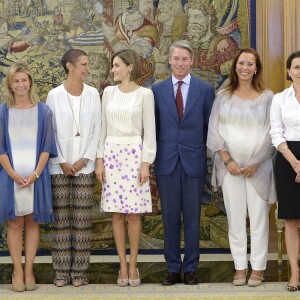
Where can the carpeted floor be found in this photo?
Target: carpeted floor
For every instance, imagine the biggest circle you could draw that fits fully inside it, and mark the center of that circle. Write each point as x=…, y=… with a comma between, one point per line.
x=203, y=291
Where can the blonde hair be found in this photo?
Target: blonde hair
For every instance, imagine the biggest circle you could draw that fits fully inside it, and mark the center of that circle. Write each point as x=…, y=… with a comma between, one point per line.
x=8, y=94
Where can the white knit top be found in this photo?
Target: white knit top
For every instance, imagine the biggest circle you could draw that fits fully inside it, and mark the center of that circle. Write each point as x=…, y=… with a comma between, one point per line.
x=126, y=115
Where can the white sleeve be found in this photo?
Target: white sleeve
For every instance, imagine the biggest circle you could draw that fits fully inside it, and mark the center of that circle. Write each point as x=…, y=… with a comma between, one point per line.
x=50, y=101
x=276, y=122
x=103, y=132
x=214, y=140
x=149, y=140
x=91, y=148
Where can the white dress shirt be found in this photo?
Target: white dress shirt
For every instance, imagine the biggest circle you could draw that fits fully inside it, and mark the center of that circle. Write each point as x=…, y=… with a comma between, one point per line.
x=71, y=148
x=285, y=117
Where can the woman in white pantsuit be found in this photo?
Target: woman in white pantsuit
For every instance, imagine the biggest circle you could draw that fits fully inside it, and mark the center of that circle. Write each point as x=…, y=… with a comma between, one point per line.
x=239, y=138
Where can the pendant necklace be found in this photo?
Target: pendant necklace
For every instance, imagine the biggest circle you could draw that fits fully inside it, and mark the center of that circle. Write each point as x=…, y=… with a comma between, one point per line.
x=77, y=124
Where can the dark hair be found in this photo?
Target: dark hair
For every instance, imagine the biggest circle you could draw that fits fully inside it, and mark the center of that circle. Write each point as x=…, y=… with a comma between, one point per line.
x=71, y=56
x=130, y=57
x=293, y=55
x=257, y=81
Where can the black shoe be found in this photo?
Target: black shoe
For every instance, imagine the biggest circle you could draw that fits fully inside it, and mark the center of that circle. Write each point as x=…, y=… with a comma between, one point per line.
x=190, y=278
x=172, y=278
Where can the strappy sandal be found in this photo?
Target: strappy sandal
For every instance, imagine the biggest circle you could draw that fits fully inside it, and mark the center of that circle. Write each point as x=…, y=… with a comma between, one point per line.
x=240, y=279
x=256, y=282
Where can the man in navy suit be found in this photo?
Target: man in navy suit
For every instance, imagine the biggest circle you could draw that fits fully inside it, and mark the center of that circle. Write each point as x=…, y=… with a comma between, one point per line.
x=181, y=159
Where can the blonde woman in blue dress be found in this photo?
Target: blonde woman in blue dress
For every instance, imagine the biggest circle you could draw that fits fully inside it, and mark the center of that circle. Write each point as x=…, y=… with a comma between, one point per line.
x=26, y=143
x=127, y=148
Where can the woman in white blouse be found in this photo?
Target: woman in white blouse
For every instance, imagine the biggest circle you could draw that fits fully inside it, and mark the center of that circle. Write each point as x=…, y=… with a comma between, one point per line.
x=127, y=148
x=239, y=137
x=76, y=112
x=285, y=132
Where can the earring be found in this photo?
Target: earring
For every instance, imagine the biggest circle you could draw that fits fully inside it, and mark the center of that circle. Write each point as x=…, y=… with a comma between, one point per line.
x=255, y=72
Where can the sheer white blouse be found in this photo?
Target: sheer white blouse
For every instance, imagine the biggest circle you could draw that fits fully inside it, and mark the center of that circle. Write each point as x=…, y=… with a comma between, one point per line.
x=241, y=127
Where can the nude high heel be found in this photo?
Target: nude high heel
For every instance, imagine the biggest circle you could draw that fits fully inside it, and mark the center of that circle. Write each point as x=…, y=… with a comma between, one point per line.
x=30, y=286
x=17, y=287
x=122, y=282
x=135, y=282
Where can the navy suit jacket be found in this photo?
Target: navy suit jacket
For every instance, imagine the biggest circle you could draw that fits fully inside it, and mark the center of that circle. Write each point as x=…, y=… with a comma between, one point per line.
x=186, y=139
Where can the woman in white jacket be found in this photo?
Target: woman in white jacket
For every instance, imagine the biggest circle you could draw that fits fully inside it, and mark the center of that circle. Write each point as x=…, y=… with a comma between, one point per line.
x=76, y=112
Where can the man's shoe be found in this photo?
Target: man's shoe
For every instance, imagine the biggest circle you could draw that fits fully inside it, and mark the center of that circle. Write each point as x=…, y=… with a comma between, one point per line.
x=190, y=278
x=172, y=278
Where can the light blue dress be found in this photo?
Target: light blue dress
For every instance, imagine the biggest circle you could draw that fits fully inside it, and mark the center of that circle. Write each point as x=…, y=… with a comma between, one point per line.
x=22, y=128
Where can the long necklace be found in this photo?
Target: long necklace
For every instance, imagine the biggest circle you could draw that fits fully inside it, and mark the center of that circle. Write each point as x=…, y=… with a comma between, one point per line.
x=77, y=124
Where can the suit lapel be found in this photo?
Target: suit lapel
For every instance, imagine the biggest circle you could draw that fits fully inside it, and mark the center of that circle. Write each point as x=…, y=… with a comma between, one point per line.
x=168, y=96
x=192, y=96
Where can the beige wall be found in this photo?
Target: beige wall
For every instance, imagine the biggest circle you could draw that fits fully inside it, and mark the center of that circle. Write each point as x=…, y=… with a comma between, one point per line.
x=277, y=35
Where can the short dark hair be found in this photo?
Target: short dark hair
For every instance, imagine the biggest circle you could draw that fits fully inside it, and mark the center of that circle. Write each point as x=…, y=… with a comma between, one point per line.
x=71, y=56
x=292, y=56
x=130, y=57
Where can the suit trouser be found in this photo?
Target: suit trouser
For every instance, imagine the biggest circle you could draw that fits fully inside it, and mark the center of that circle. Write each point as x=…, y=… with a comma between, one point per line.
x=71, y=230
x=239, y=196
x=180, y=193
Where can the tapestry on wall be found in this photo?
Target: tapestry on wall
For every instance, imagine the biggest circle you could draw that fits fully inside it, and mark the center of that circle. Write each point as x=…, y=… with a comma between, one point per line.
x=40, y=31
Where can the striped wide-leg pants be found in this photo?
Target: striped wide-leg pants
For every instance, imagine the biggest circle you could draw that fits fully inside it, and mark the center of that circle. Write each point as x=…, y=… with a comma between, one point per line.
x=71, y=230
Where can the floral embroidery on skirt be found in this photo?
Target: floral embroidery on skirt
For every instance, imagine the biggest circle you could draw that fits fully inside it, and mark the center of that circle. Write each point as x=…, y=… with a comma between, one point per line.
x=121, y=191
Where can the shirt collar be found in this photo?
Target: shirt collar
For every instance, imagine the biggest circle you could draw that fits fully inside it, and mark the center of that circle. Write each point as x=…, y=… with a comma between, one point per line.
x=186, y=79
x=291, y=90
